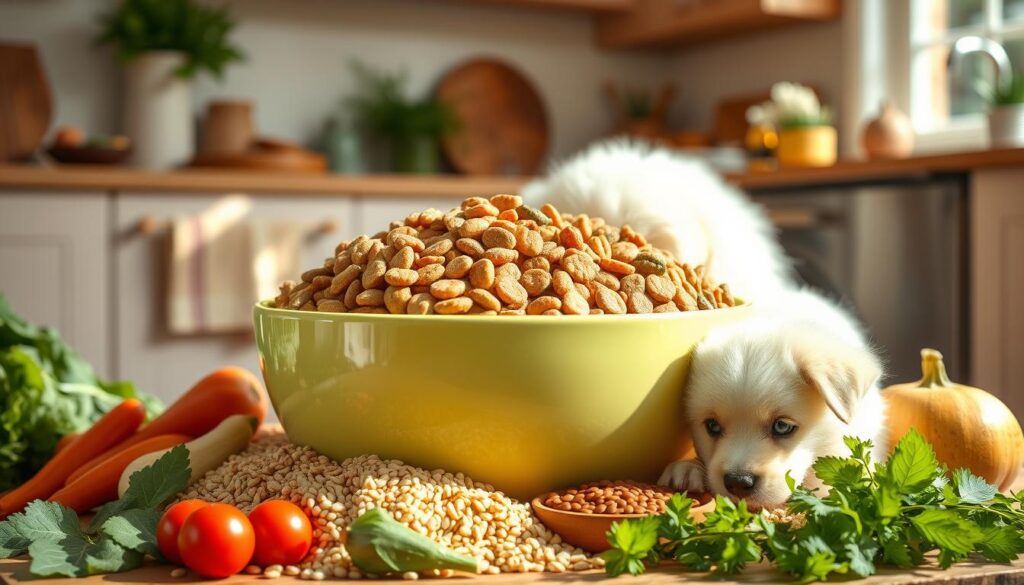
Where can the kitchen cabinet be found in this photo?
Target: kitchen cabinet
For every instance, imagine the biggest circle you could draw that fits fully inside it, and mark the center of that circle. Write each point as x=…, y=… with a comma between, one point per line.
x=54, y=265
x=147, y=353
x=997, y=311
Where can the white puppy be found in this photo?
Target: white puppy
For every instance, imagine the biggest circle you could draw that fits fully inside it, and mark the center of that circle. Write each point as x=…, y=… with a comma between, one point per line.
x=766, y=396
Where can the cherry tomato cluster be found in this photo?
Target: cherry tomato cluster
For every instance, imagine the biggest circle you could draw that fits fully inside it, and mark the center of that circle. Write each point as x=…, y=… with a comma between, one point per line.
x=218, y=540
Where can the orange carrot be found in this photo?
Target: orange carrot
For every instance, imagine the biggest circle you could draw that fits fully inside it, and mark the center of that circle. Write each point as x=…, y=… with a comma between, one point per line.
x=115, y=426
x=99, y=485
x=219, y=395
x=65, y=441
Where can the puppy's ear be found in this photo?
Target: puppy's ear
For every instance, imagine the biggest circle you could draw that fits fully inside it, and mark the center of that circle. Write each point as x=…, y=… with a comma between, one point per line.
x=841, y=377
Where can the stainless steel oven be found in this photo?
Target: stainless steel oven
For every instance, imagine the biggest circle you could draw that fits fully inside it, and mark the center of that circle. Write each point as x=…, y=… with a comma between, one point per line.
x=895, y=251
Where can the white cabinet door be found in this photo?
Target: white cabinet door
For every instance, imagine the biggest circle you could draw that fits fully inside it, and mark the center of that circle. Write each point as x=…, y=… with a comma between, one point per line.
x=997, y=287
x=147, y=353
x=54, y=265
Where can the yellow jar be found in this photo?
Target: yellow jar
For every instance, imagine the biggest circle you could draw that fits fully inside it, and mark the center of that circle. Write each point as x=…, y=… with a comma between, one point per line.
x=809, y=146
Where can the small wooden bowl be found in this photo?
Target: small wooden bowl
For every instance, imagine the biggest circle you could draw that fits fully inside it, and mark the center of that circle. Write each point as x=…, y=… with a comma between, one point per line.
x=587, y=531
x=90, y=155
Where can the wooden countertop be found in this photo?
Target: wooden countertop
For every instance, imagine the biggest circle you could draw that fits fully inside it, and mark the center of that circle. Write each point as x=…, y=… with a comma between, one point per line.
x=15, y=572
x=80, y=177
x=84, y=177
x=864, y=170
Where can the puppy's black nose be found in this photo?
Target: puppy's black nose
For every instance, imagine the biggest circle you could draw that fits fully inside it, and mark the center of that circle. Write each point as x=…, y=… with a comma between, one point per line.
x=740, y=483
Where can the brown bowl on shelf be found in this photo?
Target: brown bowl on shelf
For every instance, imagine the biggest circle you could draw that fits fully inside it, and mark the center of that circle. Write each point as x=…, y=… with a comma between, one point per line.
x=587, y=531
x=89, y=155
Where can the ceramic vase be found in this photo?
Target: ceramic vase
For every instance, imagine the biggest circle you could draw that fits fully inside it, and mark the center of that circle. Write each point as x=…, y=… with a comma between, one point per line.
x=889, y=136
x=158, y=111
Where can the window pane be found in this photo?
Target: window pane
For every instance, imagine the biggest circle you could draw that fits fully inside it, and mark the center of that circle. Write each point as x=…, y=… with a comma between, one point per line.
x=933, y=19
x=940, y=95
x=1015, y=49
x=1013, y=10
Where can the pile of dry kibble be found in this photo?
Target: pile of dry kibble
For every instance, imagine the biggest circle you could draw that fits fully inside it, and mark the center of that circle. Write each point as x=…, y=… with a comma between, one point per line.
x=611, y=497
x=499, y=257
x=468, y=517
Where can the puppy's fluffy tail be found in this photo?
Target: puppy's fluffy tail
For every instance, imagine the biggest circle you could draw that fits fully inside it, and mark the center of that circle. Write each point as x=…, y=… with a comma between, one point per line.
x=679, y=205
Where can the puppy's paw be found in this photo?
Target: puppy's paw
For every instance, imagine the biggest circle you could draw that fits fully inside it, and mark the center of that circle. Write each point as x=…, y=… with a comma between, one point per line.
x=685, y=475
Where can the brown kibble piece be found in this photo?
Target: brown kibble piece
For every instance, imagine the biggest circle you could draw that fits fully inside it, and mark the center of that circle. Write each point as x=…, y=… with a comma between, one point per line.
x=396, y=299
x=511, y=292
x=609, y=300
x=573, y=303
x=580, y=267
x=535, y=281
x=420, y=304
x=456, y=306
x=506, y=202
x=541, y=305
x=496, y=237
x=401, y=276
x=447, y=288
x=458, y=267
x=501, y=256
x=485, y=299
x=481, y=274
x=470, y=247
x=370, y=298
x=660, y=288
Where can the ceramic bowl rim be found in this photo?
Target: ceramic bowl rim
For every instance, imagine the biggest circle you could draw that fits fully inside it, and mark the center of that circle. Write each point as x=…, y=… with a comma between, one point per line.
x=265, y=307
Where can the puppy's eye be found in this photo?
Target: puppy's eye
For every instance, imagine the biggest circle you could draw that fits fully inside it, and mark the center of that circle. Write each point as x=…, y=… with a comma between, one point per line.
x=782, y=427
x=713, y=428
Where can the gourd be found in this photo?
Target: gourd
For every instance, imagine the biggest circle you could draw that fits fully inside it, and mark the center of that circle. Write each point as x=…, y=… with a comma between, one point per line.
x=967, y=426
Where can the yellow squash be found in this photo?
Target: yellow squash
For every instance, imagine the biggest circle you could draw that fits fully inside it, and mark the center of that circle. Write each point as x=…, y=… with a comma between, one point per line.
x=967, y=426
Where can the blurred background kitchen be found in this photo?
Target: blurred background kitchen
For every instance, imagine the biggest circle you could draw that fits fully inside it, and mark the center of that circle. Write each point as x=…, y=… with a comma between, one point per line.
x=169, y=161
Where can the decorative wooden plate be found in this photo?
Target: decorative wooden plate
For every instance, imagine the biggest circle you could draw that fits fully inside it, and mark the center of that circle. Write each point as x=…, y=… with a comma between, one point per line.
x=503, y=124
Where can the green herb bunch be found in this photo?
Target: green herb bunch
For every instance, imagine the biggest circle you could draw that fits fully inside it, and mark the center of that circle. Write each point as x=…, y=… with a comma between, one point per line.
x=381, y=105
x=890, y=513
x=117, y=539
x=200, y=32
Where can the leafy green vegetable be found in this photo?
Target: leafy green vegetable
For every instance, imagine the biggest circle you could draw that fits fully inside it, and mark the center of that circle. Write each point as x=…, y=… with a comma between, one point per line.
x=874, y=513
x=117, y=539
x=380, y=545
x=46, y=391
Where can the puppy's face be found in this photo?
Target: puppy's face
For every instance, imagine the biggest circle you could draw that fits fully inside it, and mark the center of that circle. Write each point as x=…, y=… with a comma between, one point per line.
x=768, y=400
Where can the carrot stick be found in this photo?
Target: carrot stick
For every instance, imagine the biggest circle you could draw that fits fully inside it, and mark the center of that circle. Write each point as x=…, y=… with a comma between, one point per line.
x=115, y=426
x=65, y=441
x=99, y=484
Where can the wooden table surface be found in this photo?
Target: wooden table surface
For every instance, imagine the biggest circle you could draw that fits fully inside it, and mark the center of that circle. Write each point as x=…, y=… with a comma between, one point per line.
x=15, y=572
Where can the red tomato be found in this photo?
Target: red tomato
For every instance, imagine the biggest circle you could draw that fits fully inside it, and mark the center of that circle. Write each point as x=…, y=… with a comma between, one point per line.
x=283, y=533
x=170, y=525
x=216, y=541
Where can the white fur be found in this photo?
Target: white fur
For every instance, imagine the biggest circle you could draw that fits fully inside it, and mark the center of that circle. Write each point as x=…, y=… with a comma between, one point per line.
x=679, y=205
x=796, y=351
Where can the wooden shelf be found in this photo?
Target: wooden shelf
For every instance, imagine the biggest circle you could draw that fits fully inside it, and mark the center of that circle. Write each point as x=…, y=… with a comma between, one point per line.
x=593, y=6
x=667, y=23
x=80, y=177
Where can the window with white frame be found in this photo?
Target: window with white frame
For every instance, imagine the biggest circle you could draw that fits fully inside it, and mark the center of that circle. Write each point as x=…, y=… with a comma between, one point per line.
x=942, y=99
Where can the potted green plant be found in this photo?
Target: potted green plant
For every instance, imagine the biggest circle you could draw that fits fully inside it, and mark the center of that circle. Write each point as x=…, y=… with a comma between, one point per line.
x=411, y=129
x=164, y=44
x=806, y=135
x=1006, y=116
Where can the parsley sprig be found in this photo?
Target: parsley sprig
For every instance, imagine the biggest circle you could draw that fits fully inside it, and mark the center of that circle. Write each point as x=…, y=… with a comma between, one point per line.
x=892, y=512
x=118, y=537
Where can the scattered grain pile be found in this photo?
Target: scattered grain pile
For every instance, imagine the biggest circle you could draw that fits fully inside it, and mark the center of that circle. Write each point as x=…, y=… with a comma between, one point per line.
x=468, y=517
x=499, y=257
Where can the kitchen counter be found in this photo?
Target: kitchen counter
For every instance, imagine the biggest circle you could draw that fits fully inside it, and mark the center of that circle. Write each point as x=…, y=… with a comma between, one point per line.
x=86, y=177
x=853, y=171
x=82, y=177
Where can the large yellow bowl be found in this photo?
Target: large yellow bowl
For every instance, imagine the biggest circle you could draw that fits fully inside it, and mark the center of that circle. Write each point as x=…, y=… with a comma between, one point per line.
x=528, y=404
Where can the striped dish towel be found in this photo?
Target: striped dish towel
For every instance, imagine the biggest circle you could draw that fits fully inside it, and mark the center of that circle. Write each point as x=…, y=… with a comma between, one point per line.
x=222, y=261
